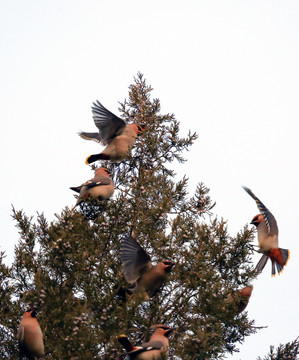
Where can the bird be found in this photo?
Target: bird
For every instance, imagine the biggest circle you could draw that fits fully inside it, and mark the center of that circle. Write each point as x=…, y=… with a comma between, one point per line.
x=114, y=133
x=99, y=187
x=267, y=232
x=155, y=349
x=30, y=336
x=240, y=298
x=138, y=269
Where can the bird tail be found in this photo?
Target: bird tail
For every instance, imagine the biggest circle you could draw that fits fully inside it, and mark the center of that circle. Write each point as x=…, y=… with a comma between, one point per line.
x=261, y=264
x=92, y=158
x=90, y=136
x=126, y=343
x=279, y=258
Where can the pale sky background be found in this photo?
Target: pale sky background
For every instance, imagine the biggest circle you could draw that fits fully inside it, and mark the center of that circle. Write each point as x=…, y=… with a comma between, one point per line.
x=227, y=69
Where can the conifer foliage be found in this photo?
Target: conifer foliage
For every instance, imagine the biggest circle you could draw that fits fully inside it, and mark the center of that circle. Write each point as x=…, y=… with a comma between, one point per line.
x=70, y=269
x=284, y=352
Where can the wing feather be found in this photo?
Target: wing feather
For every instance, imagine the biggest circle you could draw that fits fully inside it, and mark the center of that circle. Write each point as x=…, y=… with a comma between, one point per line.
x=97, y=181
x=134, y=259
x=109, y=125
x=267, y=215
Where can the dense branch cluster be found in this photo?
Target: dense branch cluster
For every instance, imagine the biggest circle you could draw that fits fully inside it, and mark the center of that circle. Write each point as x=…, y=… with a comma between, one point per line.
x=70, y=268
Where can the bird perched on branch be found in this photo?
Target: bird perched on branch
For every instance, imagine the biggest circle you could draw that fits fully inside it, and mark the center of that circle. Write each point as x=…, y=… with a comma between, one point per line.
x=30, y=336
x=114, y=133
x=240, y=298
x=267, y=232
x=100, y=187
x=155, y=349
x=138, y=269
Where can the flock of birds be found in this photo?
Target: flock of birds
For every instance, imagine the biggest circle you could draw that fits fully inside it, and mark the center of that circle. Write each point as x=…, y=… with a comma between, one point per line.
x=144, y=277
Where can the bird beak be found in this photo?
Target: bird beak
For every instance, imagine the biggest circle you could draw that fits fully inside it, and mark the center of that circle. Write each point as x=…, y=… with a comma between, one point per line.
x=255, y=223
x=168, y=332
x=168, y=265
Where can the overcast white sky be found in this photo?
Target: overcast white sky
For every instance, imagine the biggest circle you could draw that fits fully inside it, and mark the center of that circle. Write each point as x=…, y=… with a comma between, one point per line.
x=227, y=69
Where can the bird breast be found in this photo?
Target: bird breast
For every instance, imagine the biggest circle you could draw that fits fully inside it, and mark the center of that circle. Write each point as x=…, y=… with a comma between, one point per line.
x=33, y=338
x=153, y=355
x=153, y=279
x=101, y=192
x=266, y=241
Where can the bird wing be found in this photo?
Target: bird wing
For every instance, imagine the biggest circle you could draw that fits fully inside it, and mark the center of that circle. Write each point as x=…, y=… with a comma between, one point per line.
x=134, y=259
x=90, y=136
x=109, y=125
x=97, y=181
x=21, y=336
x=267, y=215
x=153, y=345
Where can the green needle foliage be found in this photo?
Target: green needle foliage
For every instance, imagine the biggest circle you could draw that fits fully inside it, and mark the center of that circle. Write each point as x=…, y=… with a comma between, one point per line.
x=284, y=352
x=70, y=270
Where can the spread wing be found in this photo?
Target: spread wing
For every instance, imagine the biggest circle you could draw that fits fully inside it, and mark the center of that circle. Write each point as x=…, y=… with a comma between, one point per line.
x=267, y=215
x=134, y=259
x=109, y=125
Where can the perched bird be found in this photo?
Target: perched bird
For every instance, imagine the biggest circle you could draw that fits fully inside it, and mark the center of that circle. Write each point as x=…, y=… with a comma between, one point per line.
x=155, y=349
x=100, y=187
x=113, y=133
x=138, y=269
x=267, y=232
x=30, y=336
x=240, y=298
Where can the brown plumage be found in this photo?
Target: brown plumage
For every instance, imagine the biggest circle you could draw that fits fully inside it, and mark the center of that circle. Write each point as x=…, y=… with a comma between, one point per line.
x=30, y=336
x=240, y=298
x=114, y=133
x=267, y=233
x=155, y=349
x=100, y=187
x=138, y=269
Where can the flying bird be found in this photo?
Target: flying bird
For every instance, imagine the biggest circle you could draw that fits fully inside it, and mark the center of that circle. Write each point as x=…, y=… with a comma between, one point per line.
x=138, y=269
x=267, y=232
x=100, y=187
x=30, y=336
x=155, y=349
x=240, y=298
x=114, y=133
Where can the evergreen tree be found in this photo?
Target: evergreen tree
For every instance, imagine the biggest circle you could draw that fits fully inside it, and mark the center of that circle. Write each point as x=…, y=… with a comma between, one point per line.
x=70, y=269
x=284, y=352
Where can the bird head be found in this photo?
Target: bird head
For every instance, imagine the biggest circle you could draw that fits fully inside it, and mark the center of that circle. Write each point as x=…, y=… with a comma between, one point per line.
x=137, y=128
x=163, y=329
x=168, y=265
x=257, y=220
x=102, y=171
x=246, y=291
x=31, y=313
